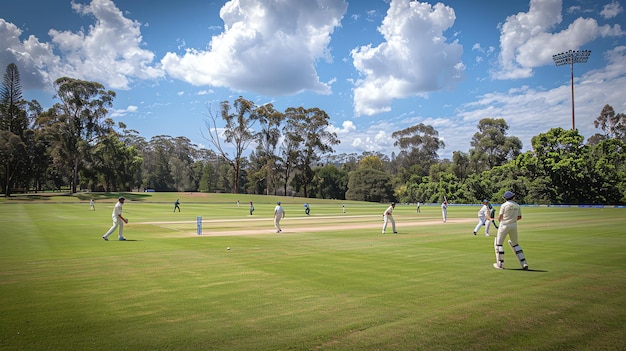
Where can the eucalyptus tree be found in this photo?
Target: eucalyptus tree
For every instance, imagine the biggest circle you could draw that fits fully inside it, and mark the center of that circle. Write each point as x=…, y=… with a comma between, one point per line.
x=76, y=123
x=37, y=158
x=238, y=131
x=461, y=164
x=289, y=150
x=491, y=145
x=268, y=137
x=418, y=145
x=210, y=162
x=116, y=163
x=207, y=179
x=612, y=125
x=158, y=173
x=307, y=129
x=256, y=180
x=182, y=158
x=132, y=138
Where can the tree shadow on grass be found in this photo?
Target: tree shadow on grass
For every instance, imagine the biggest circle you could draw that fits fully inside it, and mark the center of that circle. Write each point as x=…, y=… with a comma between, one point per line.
x=60, y=197
x=37, y=196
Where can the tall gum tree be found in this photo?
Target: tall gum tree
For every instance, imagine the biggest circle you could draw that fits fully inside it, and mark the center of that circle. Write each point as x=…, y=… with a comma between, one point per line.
x=314, y=140
x=267, y=138
x=238, y=131
x=613, y=125
x=492, y=146
x=418, y=145
x=76, y=123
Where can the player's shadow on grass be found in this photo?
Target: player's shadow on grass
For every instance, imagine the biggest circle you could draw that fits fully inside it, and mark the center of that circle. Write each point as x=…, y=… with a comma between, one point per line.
x=527, y=270
x=130, y=240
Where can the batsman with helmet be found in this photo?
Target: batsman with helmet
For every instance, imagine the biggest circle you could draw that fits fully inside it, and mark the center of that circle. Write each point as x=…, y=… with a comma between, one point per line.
x=510, y=213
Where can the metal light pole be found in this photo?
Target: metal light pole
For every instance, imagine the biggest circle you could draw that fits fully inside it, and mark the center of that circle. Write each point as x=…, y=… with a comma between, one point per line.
x=571, y=57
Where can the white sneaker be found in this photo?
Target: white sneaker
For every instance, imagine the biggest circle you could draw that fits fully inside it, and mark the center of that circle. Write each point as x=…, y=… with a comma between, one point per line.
x=486, y=234
x=525, y=267
x=497, y=266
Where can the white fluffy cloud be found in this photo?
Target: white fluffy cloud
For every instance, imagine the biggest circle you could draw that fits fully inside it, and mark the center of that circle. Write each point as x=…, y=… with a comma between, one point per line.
x=414, y=59
x=611, y=10
x=29, y=55
x=526, y=40
x=123, y=112
x=347, y=127
x=108, y=51
x=268, y=46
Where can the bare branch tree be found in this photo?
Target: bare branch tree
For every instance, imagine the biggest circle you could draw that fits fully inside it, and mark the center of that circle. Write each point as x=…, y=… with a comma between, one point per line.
x=238, y=131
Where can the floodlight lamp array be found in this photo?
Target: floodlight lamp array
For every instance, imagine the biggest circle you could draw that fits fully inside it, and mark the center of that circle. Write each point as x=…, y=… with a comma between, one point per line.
x=571, y=57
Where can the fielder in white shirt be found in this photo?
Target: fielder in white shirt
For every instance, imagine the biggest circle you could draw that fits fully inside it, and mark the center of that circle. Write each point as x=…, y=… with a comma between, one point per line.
x=279, y=214
x=484, y=217
x=118, y=221
x=388, y=217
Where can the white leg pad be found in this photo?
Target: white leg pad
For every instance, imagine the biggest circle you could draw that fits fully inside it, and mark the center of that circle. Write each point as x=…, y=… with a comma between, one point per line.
x=519, y=253
x=499, y=255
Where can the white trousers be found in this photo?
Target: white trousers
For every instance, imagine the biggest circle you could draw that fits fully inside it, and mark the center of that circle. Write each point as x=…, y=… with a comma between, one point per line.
x=277, y=223
x=503, y=231
x=117, y=223
x=511, y=231
x=482, y=221
x=389, y=218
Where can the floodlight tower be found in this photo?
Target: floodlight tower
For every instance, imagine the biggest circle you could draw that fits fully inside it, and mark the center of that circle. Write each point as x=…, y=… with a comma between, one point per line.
x=571, y=57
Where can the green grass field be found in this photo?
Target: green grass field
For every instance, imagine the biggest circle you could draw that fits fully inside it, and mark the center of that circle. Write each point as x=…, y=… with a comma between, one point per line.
x=330, y=281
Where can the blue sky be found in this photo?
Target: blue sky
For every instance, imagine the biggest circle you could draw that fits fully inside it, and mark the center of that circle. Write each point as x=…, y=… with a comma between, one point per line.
x=375, y=66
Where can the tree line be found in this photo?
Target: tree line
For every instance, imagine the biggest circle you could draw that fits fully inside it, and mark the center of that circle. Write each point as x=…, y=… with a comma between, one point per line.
x=73, y=146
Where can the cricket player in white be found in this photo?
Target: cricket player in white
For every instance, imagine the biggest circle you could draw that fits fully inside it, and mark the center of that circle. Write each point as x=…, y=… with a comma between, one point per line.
x=279, y=214
x=484, y=218
x=510, y=213
x=388, y=217
x=118, y=221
